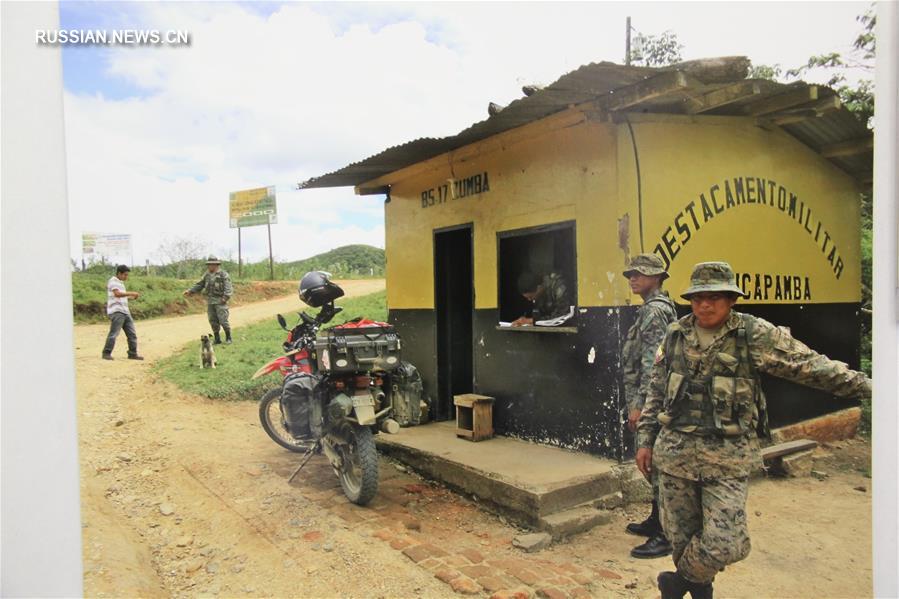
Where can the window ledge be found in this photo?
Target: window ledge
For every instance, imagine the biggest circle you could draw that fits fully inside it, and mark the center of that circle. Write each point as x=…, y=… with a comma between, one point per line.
x=535, y=329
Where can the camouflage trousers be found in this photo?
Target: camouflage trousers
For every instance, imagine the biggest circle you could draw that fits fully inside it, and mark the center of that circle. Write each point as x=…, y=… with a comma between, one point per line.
x=218, y=317
x=654, y=481
x=705, y=522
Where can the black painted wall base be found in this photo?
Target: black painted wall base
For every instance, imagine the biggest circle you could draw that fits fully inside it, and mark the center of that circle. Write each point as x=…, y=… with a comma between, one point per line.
x=565, y=389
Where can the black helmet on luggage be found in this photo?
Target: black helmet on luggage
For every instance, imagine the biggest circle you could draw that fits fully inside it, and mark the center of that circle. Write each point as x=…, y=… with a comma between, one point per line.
x=316, y=289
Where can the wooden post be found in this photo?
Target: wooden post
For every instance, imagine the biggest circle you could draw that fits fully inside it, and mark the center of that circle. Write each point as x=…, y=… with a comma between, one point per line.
x=238, y=253
x=271, y=262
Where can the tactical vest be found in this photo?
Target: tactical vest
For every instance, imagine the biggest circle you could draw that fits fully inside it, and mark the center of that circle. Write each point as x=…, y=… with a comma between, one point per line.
x=217, y=285
x=633, y=333
x=727, y=401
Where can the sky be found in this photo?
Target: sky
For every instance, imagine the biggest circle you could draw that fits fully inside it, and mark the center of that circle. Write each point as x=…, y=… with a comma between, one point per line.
x=272, y=93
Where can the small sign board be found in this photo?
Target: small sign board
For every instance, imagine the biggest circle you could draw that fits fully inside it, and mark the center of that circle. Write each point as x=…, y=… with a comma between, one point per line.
x=252, y=207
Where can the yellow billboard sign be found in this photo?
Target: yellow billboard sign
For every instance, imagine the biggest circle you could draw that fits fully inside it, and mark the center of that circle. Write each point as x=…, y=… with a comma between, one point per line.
x=252, y=207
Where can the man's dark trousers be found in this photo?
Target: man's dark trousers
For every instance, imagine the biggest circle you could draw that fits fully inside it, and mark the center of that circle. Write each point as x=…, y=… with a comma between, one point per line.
x=117, y=322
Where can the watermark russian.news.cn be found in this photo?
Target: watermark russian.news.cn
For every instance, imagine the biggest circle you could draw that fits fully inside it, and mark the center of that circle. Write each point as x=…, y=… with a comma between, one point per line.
x=115, y=37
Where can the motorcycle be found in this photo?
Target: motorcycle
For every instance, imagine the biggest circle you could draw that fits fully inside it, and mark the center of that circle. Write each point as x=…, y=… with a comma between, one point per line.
x=332, y=400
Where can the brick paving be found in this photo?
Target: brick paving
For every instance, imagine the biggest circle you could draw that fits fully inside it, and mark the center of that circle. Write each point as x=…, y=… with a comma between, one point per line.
x=461, y=544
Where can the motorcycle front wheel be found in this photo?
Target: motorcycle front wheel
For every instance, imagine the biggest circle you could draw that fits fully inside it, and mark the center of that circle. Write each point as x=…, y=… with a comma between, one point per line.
x=359, y=472
x=272, y=421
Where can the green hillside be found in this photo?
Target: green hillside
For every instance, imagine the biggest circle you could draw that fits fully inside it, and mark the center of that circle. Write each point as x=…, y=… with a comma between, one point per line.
x=349, y=260
x=160, y=296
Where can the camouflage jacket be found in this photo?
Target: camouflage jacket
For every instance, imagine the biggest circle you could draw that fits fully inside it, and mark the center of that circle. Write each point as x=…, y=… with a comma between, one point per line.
x=641, y=343
x=554, y=300
x=216, y=285
x=772, y=350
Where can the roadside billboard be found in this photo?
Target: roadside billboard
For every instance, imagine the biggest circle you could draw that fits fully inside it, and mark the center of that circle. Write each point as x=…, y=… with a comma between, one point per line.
x=252, y=207
x=103, y=244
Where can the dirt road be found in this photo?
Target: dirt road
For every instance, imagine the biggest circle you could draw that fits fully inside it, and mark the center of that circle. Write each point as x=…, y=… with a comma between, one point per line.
x=187, y=497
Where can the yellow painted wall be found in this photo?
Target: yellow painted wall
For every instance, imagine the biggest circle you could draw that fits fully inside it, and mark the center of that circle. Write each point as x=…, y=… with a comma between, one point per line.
x=679, y=160
x=567, y=167
x=546, y=174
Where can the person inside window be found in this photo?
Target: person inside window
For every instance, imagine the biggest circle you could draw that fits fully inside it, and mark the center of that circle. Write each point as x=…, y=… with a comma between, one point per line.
x=548, y=295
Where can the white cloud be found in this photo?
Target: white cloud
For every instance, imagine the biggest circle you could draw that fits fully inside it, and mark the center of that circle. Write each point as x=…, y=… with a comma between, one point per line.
x=261, y=100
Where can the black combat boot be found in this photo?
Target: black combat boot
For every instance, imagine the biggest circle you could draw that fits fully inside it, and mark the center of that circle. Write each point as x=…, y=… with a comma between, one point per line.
x=649, y=527
x=218, y=340
x=657, y=546
x=701, y=591
x=228, y=336
x=675, y=586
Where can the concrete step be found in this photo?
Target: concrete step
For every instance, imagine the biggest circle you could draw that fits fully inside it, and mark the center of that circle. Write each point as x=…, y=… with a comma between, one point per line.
x=522, y=480
x=573, y=521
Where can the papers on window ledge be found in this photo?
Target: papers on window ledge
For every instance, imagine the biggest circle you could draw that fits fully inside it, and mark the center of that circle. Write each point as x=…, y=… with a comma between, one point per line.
x=552, y=322
x=557, y=321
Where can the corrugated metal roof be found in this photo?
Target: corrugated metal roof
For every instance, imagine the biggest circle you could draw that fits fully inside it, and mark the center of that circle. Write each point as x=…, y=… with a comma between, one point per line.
x=599, y=82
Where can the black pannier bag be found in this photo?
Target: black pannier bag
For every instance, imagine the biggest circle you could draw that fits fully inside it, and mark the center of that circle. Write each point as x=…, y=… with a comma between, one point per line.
x=358, y=349
x=406, y=395
x=301, y=405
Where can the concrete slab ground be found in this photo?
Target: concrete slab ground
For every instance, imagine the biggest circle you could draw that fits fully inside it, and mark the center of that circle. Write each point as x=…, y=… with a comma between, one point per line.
x=524, y=480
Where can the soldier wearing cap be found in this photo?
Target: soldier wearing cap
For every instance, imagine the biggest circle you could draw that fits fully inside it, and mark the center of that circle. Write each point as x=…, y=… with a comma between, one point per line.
x=703, y=413
x=217, y=285
x=645, y=275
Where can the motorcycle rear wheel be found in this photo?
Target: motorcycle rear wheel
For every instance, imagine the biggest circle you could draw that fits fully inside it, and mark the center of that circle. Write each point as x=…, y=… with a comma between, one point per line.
x=273, y=423
x=359, y=473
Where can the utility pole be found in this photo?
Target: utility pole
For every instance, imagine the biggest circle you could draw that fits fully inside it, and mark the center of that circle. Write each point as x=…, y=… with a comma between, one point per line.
x=627, y=44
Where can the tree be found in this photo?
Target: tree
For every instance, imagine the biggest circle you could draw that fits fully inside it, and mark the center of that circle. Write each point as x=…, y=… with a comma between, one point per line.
x=858, y=98
x=178, y=252
x=656, y=50
x=764, y=71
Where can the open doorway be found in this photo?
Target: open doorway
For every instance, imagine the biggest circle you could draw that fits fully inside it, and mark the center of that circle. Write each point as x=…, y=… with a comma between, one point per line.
x=453, y=303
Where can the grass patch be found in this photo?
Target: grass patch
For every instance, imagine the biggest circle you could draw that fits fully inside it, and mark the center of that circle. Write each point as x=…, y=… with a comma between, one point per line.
x=161, y=296
x=254, y=345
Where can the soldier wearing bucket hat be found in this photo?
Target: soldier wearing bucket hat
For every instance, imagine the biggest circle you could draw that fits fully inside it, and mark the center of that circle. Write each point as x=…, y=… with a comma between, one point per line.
x=649, y=265
x=645, y=274
x=713, y=277
x=217, y=285
x=704, y=411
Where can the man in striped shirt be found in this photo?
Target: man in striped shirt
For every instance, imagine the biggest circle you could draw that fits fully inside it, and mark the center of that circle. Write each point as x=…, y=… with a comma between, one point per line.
x=119, y=314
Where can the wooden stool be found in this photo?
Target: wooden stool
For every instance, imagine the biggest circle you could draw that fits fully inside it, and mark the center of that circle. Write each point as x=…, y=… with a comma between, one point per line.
x=474, y=416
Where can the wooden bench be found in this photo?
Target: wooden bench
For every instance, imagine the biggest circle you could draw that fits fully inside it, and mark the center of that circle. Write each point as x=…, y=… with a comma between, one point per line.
x=474, y=416
x=793, y=458
x=784, y=449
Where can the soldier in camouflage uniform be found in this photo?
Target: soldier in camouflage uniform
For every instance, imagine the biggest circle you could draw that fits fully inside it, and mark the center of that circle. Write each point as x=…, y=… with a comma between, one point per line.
x=548, y=294
x=217, y=285
x=645, y=274
x=700, y=422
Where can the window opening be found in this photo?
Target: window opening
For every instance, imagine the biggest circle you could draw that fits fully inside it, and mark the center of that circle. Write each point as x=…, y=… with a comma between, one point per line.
x=548, y=254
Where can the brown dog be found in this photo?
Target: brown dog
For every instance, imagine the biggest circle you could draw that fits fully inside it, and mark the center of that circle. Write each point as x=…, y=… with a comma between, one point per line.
x=207, y=353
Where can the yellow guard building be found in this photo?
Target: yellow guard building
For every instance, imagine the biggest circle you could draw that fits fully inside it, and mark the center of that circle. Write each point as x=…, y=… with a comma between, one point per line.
x=692, y=162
